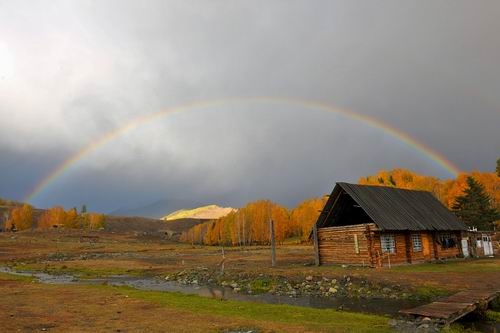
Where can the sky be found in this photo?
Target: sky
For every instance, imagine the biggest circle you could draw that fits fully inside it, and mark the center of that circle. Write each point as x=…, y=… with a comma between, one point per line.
x=72, y=71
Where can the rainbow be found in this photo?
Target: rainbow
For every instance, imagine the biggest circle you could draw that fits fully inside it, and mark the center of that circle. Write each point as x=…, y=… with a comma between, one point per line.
x=394, y=132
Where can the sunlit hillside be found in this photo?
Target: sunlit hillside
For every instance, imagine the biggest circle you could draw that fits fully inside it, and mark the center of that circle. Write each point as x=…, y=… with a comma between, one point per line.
x=210, y=212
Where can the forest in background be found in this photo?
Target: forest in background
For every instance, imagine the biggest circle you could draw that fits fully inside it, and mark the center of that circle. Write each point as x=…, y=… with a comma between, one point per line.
x=250, y=224
x=24, y=216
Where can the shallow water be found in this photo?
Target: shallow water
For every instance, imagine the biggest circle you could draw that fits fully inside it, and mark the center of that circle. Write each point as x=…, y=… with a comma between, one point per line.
x=376, y=306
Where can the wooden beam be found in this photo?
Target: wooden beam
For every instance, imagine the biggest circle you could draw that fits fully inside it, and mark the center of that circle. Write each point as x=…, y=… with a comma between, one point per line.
x=333, y=205
x=316, y=245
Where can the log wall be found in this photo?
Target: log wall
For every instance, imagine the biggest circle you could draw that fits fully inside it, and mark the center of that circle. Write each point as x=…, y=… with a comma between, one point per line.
x=346, y=244
x=360, y=245
x=405, y=253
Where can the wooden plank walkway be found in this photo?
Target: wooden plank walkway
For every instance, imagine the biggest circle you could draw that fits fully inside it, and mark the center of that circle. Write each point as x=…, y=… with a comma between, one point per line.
x=455, y=306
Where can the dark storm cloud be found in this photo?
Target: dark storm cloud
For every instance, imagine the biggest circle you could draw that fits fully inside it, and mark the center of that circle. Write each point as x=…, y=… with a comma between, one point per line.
x=72, y=71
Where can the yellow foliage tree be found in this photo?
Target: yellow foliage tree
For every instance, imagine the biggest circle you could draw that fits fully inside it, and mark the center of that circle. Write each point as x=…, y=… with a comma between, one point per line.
x=53, y=217
x=21, y=218
x=71, y=219
x=96, y=221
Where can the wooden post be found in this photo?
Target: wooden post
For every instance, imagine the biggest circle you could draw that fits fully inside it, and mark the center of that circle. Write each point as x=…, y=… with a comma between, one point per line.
x=316, y=245
x=408, y=247
x=273, y=242
x=370, y=246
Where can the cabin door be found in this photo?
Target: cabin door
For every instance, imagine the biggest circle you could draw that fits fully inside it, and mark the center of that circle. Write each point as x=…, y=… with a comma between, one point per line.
x=426, y=247
x=465, y=248
x=487, y=246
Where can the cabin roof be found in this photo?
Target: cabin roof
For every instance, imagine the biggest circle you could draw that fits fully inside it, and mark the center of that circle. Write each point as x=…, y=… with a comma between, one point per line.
x=396, y=209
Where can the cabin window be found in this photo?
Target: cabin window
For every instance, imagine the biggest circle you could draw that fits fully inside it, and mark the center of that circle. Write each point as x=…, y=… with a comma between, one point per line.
x=416, y=239
x=388, y=243
x=447, y=241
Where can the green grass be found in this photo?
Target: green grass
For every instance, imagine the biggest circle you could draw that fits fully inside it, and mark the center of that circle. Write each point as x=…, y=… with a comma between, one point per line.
x=430, y=293
x=326, y=319
x=461, y=266
x=8, y=276
x=82, y=273
x=492, y=315
x=261, y=285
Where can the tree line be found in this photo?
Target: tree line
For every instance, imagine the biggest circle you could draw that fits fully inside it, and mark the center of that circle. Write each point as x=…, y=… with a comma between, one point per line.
x=23, y=217
x=250, y=224
x=473, y=197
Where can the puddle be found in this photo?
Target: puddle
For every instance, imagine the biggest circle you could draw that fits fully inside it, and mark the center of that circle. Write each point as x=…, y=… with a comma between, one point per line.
x=374, y=306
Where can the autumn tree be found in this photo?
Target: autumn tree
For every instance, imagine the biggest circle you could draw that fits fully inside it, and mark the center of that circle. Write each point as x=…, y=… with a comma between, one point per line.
x=21, y=218
x=305, y=215
x=71, y=219
x=475, y=207
x=55, y=216
x=96, y=221
x=445, y=191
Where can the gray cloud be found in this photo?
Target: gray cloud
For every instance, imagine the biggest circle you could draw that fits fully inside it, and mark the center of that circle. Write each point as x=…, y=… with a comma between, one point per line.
x=71, y=71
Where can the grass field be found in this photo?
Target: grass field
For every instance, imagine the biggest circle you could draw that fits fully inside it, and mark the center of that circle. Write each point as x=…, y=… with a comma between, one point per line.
x=28, y=306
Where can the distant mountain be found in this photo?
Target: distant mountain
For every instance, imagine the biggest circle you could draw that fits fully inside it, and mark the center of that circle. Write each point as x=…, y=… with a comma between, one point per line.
x=210, y=212
x=157, y=209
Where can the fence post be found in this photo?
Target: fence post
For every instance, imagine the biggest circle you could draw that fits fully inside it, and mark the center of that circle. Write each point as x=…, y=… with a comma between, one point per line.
x=273, y=243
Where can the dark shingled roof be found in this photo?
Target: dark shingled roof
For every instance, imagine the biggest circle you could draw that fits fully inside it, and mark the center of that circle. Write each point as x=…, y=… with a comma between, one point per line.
x=396, y=209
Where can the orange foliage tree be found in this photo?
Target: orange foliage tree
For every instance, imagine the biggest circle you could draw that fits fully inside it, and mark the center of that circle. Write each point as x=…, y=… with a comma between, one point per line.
x=305, y=215
x=52, y=217
x=250, y=225
x=58, y=217
x=21, y=218
x=445, y=190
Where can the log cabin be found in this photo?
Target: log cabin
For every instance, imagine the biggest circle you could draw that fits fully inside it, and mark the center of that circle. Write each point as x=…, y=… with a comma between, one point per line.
x=382, y=226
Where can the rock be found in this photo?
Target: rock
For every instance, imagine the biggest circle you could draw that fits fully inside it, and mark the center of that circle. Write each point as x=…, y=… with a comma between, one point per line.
x=194, y=282
x=309, y=278
x=234, y=285
x=237, y=290
x=332, y=290
x=386, y=290
x=423, y=326
x=426, y=319
x=393, y=322
x=167, y=278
